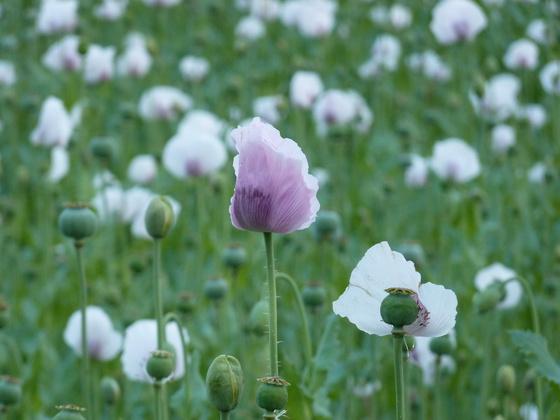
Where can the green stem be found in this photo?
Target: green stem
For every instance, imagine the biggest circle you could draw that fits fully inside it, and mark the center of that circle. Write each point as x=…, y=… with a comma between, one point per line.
x=157, y=294
x=437, y=389
x=399, y=374
x=157, y=401
x=224, y=415
x=307, y=344
x=272, y=310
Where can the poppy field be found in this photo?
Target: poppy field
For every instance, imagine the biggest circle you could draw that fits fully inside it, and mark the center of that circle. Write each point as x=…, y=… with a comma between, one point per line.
x=279, y=209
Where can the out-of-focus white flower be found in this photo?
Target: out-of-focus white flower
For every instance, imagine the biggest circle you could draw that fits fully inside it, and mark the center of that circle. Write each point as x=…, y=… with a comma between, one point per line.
x=400, y=16
x=64, y=55
x=457, y=20
x=455, y=160
x=161, y=3
x=503, y=138
x=366, y=390
x=194, y=68
x=529, y=412
x=534, y=114
x=103, y=341
x=313, y=18
x=135, y=200
x=305, y=87
x=537, y=173
x=60, y=164
x=430, y=65
x=163, y=103
x=417, y=172
x=522, y=54
x=537, y=30
x=335, y=108
x=99, y=64
x=138, y=227
x=500, y=97
x=322, y=175
x=379, y=14
x=57, y=16
x=385, y=55
x=423, y=356
x=268, y=108
x=55, y=124
x=103, y=179
x=140, y=341
x=111, y=10
x=201, y=121
x=110, y=202
x=136, y=60
x=500, y=273
x=142, y=169
x=195, y=155
x=264, y=9
x=550, y=77
x=7, y=73
x=250, y=28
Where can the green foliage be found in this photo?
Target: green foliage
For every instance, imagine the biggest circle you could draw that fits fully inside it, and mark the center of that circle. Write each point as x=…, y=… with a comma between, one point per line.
x=534, y=348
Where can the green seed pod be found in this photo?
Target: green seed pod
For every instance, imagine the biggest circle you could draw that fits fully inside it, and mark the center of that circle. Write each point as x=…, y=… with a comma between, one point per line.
x=77, y=221
x=258, y=318
x=234, y=256
x=441, y=345
x=486, y=300
x=215, y=289
x=104, y=149
x=399, y=309
x=224, y=382
x=159, y=217
x=314, y=296
x=272, y=394
x=506, y=379
x=69, y=412
x=186, y=303
x=10, y=391
x=160, y=365
x=327, y=226
x=110, y=390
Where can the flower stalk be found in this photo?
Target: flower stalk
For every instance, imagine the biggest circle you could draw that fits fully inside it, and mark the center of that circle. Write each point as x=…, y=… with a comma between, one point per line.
x=272, y=307
x=398, y=339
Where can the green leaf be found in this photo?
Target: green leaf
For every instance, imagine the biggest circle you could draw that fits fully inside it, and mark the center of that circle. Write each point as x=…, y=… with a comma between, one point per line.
x=534, y=348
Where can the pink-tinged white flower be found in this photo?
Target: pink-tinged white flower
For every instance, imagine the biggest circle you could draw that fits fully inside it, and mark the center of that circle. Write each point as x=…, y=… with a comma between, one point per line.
x=103, y=341
x=417, y=172
x=454, y=160
x=57, y=16
x=400, y=16
x=274, y=191
x=161, y=3
x=142, y=169
x=99, y=64
x=195, y=154
x=250, y=28
x=63, y=55
x=534, y=114
x=60, y=164
x=537, y=174
x=163, y=103
x=385, y=55
x=423, y=356
x=538, y=31
x=194, y=68
x=56, y=124
x=135, y=61
x=503, y=138
x=110, y=202
x=313, y=18
x=500, y=273
x=268, y=108
x=522, y=54
x=140, y=341
x=550, y=77
x=111, y=10
x=529, y=412
x=430, y=65
x=305, y=87
x=457, y=20
x=381, y=269
x=7, y=73
x=201, y=121
x=264, y=9
x=336, y=108
x=499, y=100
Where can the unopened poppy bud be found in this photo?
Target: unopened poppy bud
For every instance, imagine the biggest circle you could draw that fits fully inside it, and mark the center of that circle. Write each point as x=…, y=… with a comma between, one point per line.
x=272, y=394
x=104, y=149
x=530, y=380
x=493, y=407
x=488, y=299
x=110, y=390
x=160, y=365
x=441, y=345
x=399, y=309
x=186, y=303
x=224, y=382
x=69, y=412
x=83, y=46
x=234, y=256
x=10, y=391
x=326, y=226
x=215, y=289
x=506, y=378
x=77, y=221
x=159, y=218
x=314, y=295
x=258, y=318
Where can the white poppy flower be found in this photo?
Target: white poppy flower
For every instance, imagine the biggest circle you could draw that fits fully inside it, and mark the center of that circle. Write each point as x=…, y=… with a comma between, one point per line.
x=57, y=16
x=455, y=160
x=135, y=61
x=503, y=138
x=529, y=412
x=60, y=164
x=103, y=341
x=522, y=54
x=140, y=341
x=313, y=18
x=386, y=52
x=500, y=97
x=537, y=173
x=267, y=107
x=381, y=269
x=163, y=103
x=457, y=20
x=423, y=356
x=305, y=87
x=339, y=108
x=264, y=9
x=250, y=28
x=416, y=174
x=109, y=202
x=400, y=16
x=537, y=30
x=142, y=169
x=111, y=10
x=430, y=64
x=194, y=68
x=99, y=64
x=500, y=273
x=534, y=114
x=7, y=73
x=104, y=179
x=64, y=55
x=379, y=14
x=55, y=124
x=136, y=200
x=201, y=121
x=550, y=77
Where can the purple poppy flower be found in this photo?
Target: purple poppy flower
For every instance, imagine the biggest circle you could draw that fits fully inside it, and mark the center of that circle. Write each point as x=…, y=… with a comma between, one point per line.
x=274, y=191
